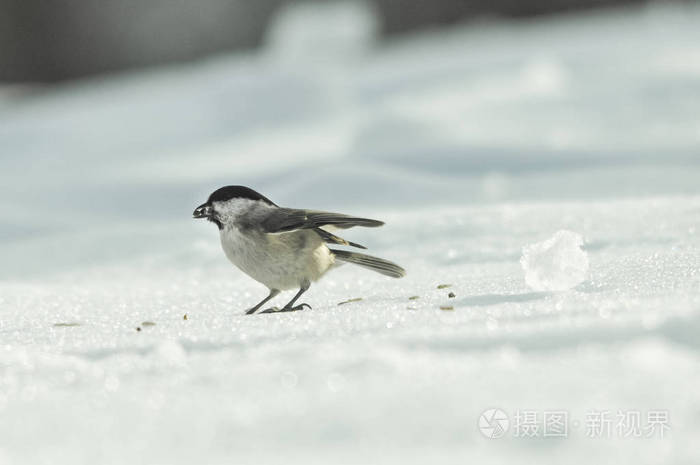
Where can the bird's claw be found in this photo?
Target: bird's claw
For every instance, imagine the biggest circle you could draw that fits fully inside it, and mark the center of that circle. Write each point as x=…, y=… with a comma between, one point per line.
x=301, y=307
x=286, y=309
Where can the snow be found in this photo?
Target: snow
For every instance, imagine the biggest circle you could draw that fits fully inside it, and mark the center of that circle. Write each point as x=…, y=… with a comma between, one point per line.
x=555, y=264
x=471, y=143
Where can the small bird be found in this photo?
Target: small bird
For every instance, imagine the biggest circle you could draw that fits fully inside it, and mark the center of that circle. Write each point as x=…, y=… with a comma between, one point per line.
x=284, y=248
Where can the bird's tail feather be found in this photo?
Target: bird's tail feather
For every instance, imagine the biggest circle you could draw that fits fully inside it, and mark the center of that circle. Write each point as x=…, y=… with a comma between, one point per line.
x=379, y=265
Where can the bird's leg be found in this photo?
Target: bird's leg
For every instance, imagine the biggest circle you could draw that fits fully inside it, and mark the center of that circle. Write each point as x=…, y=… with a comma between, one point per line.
x=273, y=292
x=290, y=306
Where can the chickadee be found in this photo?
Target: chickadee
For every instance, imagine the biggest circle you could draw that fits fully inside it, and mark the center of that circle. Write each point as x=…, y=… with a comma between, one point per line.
x=284, y=248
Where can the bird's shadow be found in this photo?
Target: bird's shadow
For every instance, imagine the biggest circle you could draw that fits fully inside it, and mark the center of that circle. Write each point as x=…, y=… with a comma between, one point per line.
x=494, y=299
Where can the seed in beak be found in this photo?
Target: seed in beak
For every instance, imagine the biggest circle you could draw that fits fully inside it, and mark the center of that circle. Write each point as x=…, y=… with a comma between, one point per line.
x=203, y=211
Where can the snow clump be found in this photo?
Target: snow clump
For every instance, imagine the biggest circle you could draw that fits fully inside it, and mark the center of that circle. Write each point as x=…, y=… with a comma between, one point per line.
x=555, y=264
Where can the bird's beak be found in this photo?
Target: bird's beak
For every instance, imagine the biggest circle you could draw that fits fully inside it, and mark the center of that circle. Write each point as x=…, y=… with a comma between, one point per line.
x=203, y=211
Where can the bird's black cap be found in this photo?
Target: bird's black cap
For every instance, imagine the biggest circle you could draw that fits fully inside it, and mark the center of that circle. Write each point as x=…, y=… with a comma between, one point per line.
x=237, y=192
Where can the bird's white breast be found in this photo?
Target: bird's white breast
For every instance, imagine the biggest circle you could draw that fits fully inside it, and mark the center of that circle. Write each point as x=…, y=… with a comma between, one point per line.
x=279, y=261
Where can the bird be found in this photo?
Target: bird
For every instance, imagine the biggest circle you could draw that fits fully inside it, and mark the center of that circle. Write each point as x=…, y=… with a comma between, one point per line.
x=284, y=248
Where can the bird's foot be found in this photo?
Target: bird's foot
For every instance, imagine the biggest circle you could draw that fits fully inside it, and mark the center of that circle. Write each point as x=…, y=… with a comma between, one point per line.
x=251, y=311
x=286, y=309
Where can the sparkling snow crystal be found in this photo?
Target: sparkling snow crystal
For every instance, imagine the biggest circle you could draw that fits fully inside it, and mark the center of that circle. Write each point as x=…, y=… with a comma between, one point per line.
x=555, y=264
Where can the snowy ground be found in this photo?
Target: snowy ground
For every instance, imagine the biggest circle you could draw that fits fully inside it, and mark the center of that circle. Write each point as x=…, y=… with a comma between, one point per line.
x=471, y=143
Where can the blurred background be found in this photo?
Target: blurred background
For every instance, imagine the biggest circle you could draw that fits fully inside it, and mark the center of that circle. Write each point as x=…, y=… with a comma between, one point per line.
x=55, y=41
x=116, y=117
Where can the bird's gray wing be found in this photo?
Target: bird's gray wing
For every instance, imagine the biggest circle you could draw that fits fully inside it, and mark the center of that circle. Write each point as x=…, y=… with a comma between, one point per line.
x=333, y=239
x=282, y=220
